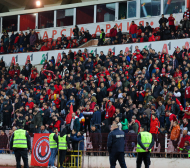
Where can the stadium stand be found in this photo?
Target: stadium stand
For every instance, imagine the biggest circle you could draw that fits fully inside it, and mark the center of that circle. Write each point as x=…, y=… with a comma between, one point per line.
x=143, y=87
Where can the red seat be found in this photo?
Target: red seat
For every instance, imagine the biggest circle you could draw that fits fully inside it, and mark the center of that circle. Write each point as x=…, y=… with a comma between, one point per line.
x=50, y=39
x=130, y=35
x=153, y=29
x=93, y=35
x=76, y=44
x=157, y=38
x=108, y=35
x=84, y=40
x=134, y=40
x=49, y=47
x=49, y=43
x=68, y=38
x=176, y=27
x=74, y=40
x=59, y=39
x=157, y=28
x=54, y=43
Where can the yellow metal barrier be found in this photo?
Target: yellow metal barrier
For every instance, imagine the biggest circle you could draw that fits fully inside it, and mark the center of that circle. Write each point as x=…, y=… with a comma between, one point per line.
x=71, y=159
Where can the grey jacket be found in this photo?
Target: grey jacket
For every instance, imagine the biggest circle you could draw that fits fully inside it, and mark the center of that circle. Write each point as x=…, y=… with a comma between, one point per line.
x=161, y=111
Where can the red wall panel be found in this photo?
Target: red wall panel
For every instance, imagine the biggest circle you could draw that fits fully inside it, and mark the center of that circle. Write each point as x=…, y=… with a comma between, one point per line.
x=27, y=21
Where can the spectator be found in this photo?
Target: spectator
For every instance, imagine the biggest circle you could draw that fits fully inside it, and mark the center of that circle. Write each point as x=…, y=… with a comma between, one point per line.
x=134, y=126
x=163, y=20
x=37, y=121
x=4, y=141
x=44, y=47
x=185, y=24
x=43, y=129
x=113, y=33
x=96, y=117
x=75, y=124
x=171, y=20
x=148, y=27
x=184, y=138
x=175, y=133
x=124, y=124
x=154, y=122
x=32, y=39
x=133, y=29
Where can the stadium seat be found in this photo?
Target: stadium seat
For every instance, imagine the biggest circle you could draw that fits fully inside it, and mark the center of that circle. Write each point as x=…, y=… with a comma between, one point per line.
x=84, y=40
x=54, y=43
x=134, y=40
x=74, y=40
x=68, y=38
x=45, y=40
x=94, y=36
x=153, y=29
x=49, y=46
x=157, y=38
x=59, y=39
x=50, y=39
x=108, y=35
x=130, y=35
x=157, y=28
x=176, y=27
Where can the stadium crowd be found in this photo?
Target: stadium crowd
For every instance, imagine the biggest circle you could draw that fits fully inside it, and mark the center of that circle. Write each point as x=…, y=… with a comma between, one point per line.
x=87, y=92
x=29, y=42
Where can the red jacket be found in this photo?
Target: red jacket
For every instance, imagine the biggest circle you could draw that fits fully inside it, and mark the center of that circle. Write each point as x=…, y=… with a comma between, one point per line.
x=139, y=56
x=58, y=88
x=153, y=124
x=11, y=73
x=113, y=32
x=171, y=21
x=133, y=29
x=69, y=46
x=2, y=49
x=57, y=125
x=139, y=124
x=183, y=139
x=110, y=111
x=151, y=38
x=16, y=39
x=44, y=48
x=31, y=105
x=57, y=103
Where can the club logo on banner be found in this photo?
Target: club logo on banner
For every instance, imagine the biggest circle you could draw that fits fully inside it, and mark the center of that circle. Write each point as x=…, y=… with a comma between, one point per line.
x=40, y=150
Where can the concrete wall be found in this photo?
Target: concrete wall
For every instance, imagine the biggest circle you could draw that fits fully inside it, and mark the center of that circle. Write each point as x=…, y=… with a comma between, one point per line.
x=103, y=162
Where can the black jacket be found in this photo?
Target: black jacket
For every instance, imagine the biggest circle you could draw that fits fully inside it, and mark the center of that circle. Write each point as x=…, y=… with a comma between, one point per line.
x=116, y=141
x=28, y=143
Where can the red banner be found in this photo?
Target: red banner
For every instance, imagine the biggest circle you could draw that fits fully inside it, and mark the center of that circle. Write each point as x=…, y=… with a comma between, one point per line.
x=40, y=150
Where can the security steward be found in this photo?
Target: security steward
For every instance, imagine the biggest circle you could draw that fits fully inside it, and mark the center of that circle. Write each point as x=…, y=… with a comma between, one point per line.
x=21, y=145
x=53, y=141
x=145, y=142
x=116, y=143
x=63, y=145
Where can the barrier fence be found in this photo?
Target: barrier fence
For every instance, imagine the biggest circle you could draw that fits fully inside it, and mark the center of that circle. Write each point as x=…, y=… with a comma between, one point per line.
x=96, y=144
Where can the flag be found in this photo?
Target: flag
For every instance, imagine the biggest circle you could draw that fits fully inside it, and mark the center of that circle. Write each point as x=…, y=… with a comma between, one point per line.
x=180, y=106
x=40, y=150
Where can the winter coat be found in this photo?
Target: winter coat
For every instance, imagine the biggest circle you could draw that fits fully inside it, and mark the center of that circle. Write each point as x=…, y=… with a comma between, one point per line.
x=153, y=124
x=113, y=32
x=175, y=133
x=133, y=29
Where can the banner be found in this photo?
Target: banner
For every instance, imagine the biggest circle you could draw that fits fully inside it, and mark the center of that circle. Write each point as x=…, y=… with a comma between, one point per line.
x=41, y=56
x=95, y=28
x=40, y=150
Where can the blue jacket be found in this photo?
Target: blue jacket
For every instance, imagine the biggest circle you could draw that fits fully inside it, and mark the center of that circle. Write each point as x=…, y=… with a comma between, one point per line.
x=77, y=139
x=96, y=118
x=116, y=141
